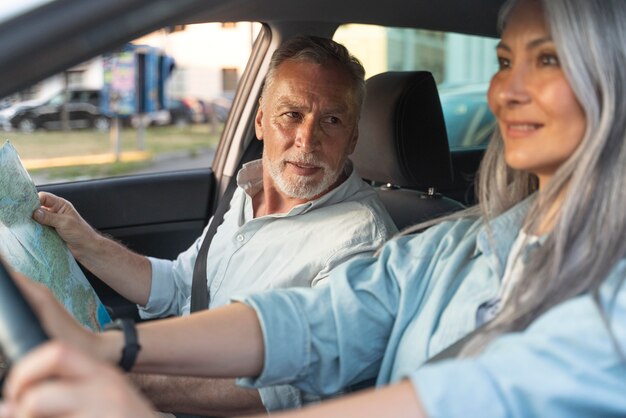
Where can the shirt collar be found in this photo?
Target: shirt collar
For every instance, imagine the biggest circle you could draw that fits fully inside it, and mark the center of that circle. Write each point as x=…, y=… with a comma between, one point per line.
x=495, y=239
x=250, y=179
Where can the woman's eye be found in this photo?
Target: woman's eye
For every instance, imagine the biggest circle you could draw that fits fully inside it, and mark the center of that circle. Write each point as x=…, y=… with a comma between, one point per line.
x=503, y=63
x=549, y=60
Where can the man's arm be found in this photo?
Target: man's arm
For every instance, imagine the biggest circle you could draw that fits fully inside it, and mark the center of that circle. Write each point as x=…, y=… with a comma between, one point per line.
x=126, y=272
x=198, y=396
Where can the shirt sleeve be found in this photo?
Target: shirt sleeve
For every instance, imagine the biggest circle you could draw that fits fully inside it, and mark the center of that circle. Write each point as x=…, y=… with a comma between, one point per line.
x=370, y=231
x=170, y=289
x=321, y=347
x=565, y=364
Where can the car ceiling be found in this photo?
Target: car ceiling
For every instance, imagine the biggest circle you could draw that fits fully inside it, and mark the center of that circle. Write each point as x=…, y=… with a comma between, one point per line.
x=63, y=33
x=466, y=16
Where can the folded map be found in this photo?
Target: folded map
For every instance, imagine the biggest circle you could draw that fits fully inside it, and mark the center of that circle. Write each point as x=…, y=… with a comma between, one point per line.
x=37, y=251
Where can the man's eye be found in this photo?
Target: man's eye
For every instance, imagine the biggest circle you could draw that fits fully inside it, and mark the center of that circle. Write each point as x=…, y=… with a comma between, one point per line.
x=333, y=120
x=293, y=115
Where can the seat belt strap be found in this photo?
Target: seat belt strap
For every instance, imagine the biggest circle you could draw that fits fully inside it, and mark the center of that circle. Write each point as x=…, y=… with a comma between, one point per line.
x=199, y=292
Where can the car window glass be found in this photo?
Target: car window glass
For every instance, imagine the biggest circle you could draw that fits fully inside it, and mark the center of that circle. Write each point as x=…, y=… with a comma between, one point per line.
x=157, y=104
x=462, y=66
x=9, y=9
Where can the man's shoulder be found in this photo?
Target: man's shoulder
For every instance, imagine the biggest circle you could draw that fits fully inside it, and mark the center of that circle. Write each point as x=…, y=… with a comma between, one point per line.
x=356, y=217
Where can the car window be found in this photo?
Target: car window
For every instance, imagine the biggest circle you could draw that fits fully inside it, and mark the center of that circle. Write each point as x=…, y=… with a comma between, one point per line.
x=461, y=64
x=157, y=104
x=8, y=9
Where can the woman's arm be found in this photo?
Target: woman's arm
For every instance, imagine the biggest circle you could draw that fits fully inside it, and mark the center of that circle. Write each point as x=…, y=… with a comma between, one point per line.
x=227, y=342
x=57, y=380
x=398, y=401
x=223, y=342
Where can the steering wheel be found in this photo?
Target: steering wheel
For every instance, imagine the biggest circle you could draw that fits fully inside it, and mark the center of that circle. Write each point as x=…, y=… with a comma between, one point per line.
x=20, y=330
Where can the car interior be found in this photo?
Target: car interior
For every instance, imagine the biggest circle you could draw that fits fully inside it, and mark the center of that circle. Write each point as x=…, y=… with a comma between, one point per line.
x=403, y=147
x=402, y=151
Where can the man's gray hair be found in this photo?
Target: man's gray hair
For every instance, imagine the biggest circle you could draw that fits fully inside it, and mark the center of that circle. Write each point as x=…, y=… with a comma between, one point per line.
x=323, y=51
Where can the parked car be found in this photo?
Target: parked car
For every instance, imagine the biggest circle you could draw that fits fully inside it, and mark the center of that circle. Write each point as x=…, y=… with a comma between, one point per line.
x=82, y=107
x=185, y=111
x=221, y=106
x=8, y=113
x=469, y=121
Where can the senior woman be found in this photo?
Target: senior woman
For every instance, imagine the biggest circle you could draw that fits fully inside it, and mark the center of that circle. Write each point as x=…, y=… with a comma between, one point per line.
x=539, y=267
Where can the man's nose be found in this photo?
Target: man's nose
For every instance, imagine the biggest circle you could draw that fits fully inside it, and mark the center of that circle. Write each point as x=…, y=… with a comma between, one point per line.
x=307, y=135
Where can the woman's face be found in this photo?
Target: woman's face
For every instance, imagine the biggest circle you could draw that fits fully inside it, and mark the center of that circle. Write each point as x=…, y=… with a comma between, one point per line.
x=541, y=121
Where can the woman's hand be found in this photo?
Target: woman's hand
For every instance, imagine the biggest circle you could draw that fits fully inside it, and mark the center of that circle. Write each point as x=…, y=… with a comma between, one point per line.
x=55, y=319
x=58, y=380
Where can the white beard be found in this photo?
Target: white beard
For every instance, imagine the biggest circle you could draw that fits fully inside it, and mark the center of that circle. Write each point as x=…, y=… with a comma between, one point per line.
x=300, y=187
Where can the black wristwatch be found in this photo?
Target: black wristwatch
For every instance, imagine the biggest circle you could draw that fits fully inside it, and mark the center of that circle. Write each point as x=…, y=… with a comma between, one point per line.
x=131, y=342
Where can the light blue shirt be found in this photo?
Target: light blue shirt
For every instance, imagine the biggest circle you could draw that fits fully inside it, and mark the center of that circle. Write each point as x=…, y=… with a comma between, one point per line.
x=386, y=316
x=298, y=248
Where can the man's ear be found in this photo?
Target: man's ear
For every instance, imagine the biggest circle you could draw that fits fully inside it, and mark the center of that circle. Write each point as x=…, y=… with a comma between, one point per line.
x=258, y=123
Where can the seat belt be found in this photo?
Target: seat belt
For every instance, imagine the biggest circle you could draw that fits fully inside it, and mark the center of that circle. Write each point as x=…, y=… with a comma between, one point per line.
x=199, y=291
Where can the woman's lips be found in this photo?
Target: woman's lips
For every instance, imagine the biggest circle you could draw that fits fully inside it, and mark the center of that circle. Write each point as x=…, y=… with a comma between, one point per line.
x=521, y=129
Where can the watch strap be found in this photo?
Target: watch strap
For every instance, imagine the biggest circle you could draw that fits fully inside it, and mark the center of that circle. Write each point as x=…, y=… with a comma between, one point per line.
x=131, y=342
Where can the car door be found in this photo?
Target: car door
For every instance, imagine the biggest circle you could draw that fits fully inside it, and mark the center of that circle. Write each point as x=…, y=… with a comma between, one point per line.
x=154, y=214
x=48, y=115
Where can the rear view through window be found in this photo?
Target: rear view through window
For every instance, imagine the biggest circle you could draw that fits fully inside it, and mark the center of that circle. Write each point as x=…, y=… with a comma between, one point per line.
x=462, y=66
x=156, y=104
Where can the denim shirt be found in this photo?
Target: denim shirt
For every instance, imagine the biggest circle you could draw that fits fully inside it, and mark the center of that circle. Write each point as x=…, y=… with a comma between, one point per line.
x=386, y=316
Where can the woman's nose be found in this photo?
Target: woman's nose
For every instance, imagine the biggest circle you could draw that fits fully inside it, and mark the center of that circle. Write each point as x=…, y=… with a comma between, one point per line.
x=512, y=87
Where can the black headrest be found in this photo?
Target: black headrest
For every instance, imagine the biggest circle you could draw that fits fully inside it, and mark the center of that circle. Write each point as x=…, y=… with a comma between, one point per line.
x=402, y=133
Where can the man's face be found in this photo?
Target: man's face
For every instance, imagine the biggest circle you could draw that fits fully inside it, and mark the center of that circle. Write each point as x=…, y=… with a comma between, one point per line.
x=308, y=121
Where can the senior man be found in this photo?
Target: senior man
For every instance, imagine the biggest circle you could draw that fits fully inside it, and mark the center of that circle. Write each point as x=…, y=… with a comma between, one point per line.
x=296, y=214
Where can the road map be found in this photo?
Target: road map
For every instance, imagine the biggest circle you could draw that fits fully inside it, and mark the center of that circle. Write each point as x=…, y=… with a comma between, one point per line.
x=37, y=251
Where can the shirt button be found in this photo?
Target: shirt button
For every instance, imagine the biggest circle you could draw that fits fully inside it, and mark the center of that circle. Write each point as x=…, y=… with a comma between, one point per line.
x=240, y=238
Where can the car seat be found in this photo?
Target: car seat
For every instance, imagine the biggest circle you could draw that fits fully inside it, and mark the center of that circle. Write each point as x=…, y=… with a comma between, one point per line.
x=403, y=146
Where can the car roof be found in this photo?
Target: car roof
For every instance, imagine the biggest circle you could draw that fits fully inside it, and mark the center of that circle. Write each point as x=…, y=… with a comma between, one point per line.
x=62, y=33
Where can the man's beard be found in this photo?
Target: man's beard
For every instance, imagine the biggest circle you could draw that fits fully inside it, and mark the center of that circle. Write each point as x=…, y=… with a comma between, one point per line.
x=301, y=187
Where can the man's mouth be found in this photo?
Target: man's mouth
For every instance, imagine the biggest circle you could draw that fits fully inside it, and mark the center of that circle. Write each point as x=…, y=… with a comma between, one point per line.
x=303, y=169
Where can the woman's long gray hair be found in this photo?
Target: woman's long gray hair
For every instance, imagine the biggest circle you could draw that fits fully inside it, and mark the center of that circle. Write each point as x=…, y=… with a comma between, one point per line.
x=589, y=233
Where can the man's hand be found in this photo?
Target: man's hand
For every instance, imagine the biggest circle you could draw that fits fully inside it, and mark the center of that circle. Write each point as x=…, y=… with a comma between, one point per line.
x=61, y=215
x=56, y=380
x=109, y=260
